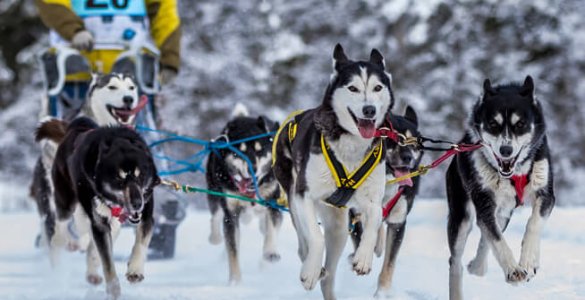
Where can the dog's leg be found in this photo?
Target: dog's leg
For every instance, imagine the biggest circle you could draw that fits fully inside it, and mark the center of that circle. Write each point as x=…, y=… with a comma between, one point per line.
x=302, y=242
x=478, y=265
x=491, y=229
x=530, y=255
x=135, y=271
x=103, y=243
x=381, y=241
x=231, y=231
x=394, y=237
x=334, y=221
x=272, y=219
x=309, y=232
x=216, y=220
x=93, y=263
x=364, y=254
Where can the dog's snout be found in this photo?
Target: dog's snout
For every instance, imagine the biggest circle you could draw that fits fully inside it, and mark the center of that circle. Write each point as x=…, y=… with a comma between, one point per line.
x=369, y=111
x=506, y=150
x=406, y=157
x=128, y=100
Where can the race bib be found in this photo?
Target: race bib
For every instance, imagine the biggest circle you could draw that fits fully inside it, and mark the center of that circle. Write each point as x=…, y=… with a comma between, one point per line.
x=93, y=8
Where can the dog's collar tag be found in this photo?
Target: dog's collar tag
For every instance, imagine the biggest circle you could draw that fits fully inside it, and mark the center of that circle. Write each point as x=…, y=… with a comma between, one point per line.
x=519, y=182
x=346, y=185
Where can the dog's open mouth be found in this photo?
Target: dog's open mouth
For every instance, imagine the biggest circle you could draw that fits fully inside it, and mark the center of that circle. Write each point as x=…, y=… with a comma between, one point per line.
x=506, y=166
x=134, y=217
x=126, y=115
x=122, y=115
x=245, y=186
x=402, y=171
x=366, y=127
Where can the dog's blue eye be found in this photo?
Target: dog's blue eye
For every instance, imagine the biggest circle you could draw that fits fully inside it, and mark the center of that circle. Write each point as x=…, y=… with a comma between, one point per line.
x=111, y=87
x=377, y=88
x=352, y=88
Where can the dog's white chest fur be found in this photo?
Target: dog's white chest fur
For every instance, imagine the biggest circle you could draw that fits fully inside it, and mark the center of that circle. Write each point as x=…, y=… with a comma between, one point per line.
x=350, y=151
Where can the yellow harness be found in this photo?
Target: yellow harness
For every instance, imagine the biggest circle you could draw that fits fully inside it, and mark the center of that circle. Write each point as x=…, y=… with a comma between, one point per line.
x=346, y=184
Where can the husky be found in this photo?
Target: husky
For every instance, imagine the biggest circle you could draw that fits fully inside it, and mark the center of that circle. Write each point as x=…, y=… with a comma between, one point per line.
x=400, y=161
x=110, y=173
x=229, y=172
x=344, y=126
x=489, y=183
x=112, y=100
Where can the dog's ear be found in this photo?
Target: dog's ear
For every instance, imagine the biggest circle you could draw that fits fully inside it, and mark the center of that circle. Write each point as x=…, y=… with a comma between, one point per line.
x=265, y=123
x=339, y=57
x=527, y=87
x=487, y=87
x=156, y=181
x=377, y=58
x=410, y=115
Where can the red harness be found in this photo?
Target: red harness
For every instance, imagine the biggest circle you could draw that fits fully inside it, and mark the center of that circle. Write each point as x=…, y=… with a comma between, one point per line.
x=118, y=212
x=520, y=182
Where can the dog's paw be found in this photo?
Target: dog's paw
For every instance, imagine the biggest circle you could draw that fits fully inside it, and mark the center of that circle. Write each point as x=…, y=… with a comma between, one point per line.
x=530, y=267
x=215, y=238
x=516, y=274
x=271, y=256
x=113, y=289
x=134, y=277
x=94, y=279
x=383, y=293
x=362, y=262
x=72, y=246
x=477, y=267
x=310, y=276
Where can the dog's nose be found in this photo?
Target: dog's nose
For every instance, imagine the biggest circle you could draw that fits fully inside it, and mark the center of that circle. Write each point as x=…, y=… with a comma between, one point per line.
x=506, y=150
x=406, y=157
x=369, y=111
x=128, y=100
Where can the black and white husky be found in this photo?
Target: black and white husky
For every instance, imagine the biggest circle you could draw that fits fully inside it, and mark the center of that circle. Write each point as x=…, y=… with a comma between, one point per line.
x=355, y=104
x=491, y=182
x=400, y=160
x=112, y=100
x=228, y=172
x=109, y=172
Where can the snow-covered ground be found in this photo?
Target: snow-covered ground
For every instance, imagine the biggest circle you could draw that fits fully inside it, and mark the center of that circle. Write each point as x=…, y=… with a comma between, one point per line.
x=199, y=270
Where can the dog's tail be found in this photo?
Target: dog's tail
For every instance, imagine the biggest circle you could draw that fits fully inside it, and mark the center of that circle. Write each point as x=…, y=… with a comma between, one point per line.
x=53, y=129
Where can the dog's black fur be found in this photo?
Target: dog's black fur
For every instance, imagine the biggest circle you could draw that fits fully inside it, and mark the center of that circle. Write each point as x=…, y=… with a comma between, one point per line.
x=478, y=183
x=104, y=165
x=406, y=159
x=223, y=176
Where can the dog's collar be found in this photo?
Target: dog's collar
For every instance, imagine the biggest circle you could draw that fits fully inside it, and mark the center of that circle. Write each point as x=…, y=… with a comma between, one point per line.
x=110, y=209
x=347, y=184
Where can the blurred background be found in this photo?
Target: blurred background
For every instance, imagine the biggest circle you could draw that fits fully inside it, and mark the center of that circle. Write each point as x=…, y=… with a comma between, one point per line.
x=275, y=57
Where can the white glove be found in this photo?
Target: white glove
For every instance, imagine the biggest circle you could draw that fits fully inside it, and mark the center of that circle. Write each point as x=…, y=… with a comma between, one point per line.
x=167, y=75
x=83, y=40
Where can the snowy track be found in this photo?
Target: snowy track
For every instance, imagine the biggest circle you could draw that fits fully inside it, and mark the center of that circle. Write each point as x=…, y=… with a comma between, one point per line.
x=199, y=270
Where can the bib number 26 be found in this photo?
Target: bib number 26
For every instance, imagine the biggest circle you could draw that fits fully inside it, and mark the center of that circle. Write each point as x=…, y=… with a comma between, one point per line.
x=105, y=4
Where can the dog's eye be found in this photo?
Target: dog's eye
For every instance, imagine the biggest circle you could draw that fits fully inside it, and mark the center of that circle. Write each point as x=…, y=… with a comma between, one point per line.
x=493, y=125
x=377, y=88
x=520, y=124
x=352, y=89
x=131, y=87
x=112, y=87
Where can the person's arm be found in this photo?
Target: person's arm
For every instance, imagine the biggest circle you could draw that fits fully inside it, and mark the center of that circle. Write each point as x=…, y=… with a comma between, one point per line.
x=165, y=28
x=57, y=15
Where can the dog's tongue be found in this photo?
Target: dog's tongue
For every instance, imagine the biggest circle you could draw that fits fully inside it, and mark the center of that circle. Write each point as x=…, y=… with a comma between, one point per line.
x=244, y=188
x=367, y=128
x=405, y=182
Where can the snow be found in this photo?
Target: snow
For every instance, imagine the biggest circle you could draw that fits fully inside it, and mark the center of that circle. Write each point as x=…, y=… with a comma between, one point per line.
x=199, y=270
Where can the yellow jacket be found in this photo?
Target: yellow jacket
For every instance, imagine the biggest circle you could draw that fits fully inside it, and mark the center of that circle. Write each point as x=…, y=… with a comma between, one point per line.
x=162, y=14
